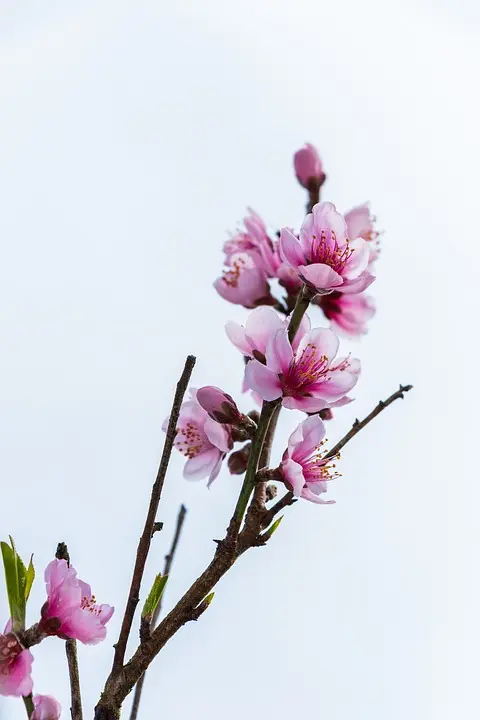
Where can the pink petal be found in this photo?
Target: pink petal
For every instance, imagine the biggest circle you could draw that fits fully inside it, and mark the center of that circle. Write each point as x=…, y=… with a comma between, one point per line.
x=293, y=473
x=307, y=494
x=323, y=340
x=261, y=325
x=339, y=383
x=305, y=403
x=326, y=217
x=84, y=626
x=358, y=221
x=321, y=277
x=215, y=471
x=357, y=285
x=279, y=352
x=17, y=680
x=290, y=249
x=217, y=434
x=313, y=434
x=201, y=465
x=236, y=335
x=262, y=381
x=46, y=708
x=358, y=260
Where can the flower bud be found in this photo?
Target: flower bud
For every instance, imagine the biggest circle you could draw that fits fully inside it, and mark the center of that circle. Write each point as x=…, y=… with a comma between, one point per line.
x=326, y=414
x=220, y=406
x=308, y=167
x=237, y=461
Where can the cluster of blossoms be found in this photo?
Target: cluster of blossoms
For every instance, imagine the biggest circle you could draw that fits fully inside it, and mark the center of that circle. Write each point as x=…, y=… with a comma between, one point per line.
x=333, y=254
x=329, y=263
x=69, y=612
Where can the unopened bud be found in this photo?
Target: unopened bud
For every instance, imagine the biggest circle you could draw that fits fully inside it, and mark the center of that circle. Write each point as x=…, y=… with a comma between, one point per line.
x=271, y=492
x=308, y=167
x=220, y=406
x=237, y=461
x=326, y=414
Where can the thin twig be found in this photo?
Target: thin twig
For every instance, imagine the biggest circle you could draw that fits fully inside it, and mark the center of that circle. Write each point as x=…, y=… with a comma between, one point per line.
x=145, y=540
x=166, y=571
x=359, y=425
x=288, y=498
x=71, y=653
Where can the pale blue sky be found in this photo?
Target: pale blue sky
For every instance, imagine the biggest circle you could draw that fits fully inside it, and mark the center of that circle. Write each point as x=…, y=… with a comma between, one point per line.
x=132, y=137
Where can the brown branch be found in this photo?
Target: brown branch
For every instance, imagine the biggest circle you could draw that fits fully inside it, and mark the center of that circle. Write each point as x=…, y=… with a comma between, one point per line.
x=359, y=425
x=71, y=653
x=166, y=571
x=145, y=540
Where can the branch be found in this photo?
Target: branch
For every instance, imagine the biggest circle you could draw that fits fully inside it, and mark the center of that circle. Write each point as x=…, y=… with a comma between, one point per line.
x=289, y=498
x=166, y=571
x=145, y=540
x=71, y=653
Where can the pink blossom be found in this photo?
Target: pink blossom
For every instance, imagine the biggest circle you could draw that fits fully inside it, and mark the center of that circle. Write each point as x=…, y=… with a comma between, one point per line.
x=15, y=666
x=308, y=167
x=323, y=256
x=360, y=223
x=202, y=440
x=348, y=314
x=256, y=242
x=46, y=708
x=71, y=611
x=243, y=282
x=220, y=407
x=308, y=377
x=304, y=468
x=262, y=323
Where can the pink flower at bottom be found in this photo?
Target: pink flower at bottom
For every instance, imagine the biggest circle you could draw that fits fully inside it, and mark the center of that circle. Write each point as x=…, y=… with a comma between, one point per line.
x=71, y=610
x=46, y=708
x=304, y=469
x=202, y=440
x=308, y=378
x=348, y=314
x=15, y=666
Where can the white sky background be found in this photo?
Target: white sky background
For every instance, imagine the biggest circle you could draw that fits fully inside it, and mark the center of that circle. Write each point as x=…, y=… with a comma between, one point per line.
x=132, y=136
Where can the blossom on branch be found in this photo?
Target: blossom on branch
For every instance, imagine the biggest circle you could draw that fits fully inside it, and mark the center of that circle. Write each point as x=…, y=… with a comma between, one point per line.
x=261, y=324
x=15, y=666
x=304, y=468
x=202, y=440
x=323, y=255
x=71, y=611
x=46, y=708
x=361, y=224
x=307, y=377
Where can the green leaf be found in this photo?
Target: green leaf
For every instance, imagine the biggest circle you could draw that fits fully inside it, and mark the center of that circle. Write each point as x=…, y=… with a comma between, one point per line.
x=268, y=533
x=154, y=596
x=30, y=578
x=206, y=601
x=19, y=582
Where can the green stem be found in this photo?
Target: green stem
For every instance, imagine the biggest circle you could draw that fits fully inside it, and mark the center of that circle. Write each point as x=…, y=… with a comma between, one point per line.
x=301, y=307
x=268, y=408
x=29, y=706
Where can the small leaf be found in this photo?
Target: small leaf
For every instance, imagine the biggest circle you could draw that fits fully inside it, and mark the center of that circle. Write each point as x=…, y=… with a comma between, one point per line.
x=154, y=596
x=268, y=533
x=30, y=578
x=208, y=599
x=15, y=578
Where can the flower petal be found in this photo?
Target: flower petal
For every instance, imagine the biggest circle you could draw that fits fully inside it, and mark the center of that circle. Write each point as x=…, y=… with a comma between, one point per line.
x=261, y=325
x=201, y=465
x=236, y=335
x=358, y=260
x=217, y=434
x=279, y=352
x=357, y=285
x=293, y=473
x=263, y=381
x=321, y=277
x=323, y=340
x=290, y=249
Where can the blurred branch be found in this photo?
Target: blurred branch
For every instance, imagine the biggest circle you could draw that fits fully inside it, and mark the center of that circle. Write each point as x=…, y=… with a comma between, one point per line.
x=145, y=540
x=166, y=571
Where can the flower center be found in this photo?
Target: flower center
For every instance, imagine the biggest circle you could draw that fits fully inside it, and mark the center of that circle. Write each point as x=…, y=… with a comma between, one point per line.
x=189, y=440
x=90, y=605
x=329, y=252
x=304, y=371
x=239, y=264
x=317, y=468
